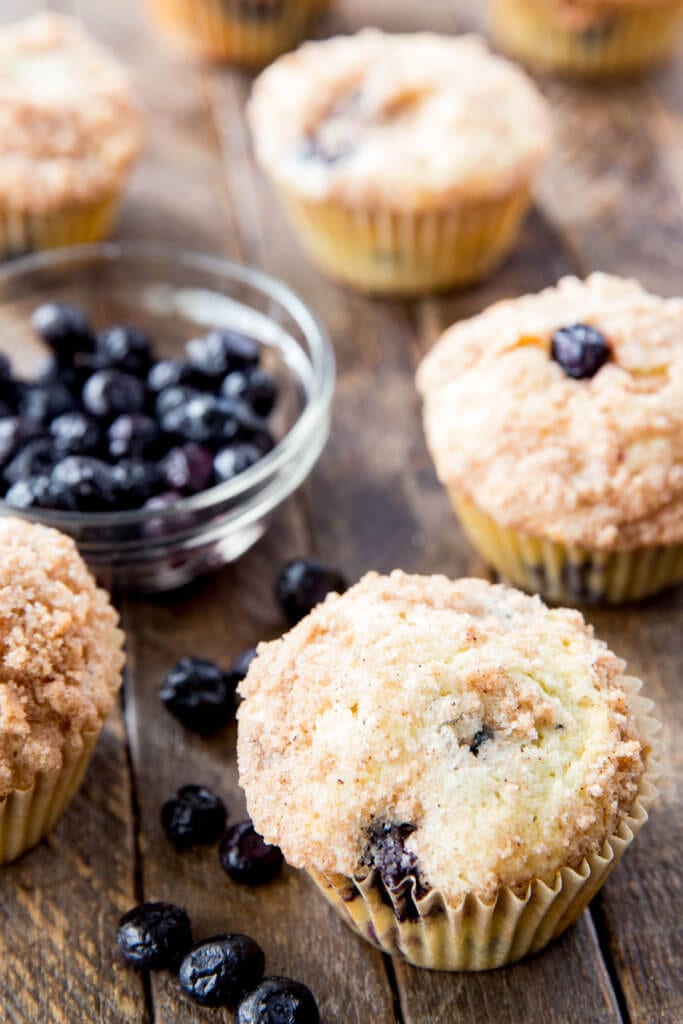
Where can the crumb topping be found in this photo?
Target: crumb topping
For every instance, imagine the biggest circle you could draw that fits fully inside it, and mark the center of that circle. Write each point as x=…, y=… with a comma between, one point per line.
x=596, y=463
x=60, y=652
x=69, y=124
x=490, y=734
x=409, y=121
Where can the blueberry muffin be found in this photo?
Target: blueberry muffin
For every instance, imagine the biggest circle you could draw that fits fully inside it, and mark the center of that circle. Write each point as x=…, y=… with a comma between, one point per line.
x=556, y=424
x=457, y=766
x=60, y=672
x=587, y=38
x=405, y=162
x=71, y=130
x=246, y=32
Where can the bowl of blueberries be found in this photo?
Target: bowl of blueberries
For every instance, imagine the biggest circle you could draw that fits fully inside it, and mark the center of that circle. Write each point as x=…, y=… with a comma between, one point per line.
x=156, y=406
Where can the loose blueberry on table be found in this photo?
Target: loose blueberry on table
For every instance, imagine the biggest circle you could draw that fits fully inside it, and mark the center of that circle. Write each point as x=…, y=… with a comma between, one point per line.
x=303, y=583
x=221, y=970
x=278, y=1001
x=200, y=694
x=193, y=817
x=247, y=858
x=129, y=427
x=154, y=936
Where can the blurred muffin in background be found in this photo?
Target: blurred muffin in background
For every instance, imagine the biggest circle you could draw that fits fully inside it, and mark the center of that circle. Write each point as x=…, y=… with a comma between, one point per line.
x=587, y=38
x=70, y=130
x=246, y=32
x=405, y=162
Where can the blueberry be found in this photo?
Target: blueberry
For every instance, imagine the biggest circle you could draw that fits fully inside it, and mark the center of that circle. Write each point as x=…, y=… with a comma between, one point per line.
x=168, y=373
x=193, y=817
x=33, y=459
x=108, y=393
x=240, y=665
x=386, y=852
x=247, y=857
x=80, y=483
x=581, y=350
x=203, y=419
x=253, y=386
x=221, y=352
x=278, y=1001
x=124, y=348
x=43, y=402
x=188, y=468
x=200, y=694
x=302, y=584
x=480, y=737
x=232, y=461
x=75, y=433
x=172, y=398
x=134, y=434
x=31, y=492
x=65, y=329
x=158, y=525
x=220, y=971
x=242, y=424
x=136, y=481
x=15, y=431
x=155, y=936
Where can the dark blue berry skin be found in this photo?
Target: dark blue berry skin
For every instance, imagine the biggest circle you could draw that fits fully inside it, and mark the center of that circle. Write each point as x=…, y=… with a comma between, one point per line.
x=65, y=329
x=386, y=851
x=580, y=350
x=303, y=583
x=15, y=431
x=109, y=393
x=155, y=936
x=31, y=492
x=220, y=971
x=247, y=858
x=279, y=1001
x=168, y=373
x=124, y=348
x=134, y=436
x=253, y=386
x=172, y=398
x=220, y=353
x=232, y=461
x=75, y=433
x=193, y=817
x=199, y=694
x=33, y=459
x=43, y=402
x=80, y=483
x=136, y=481
x=203, y=419
x=240, y=665
x=188, y=468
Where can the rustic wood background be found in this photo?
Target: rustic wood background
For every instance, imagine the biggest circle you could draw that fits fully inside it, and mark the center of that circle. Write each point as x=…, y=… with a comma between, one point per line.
x=611, y=200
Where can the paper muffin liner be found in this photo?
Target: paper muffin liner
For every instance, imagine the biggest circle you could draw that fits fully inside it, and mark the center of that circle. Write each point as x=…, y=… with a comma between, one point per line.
x=27, y=815
x=24, y=232
x=627, y=39
x=477, y=935
x=565, y=574
x=247, y=32
x=391, y=252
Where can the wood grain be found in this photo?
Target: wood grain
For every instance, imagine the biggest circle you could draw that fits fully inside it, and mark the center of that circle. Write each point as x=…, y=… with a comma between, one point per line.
x=611, y=199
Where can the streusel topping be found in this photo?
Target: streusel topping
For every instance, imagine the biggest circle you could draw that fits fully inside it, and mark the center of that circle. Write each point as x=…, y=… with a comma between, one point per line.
x=491, y=732
x=69, y=125
x=60, y=652
x=596, y=463
x=408, y=121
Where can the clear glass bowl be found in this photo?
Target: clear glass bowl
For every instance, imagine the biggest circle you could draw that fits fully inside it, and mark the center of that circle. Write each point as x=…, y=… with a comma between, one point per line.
x=175, y=296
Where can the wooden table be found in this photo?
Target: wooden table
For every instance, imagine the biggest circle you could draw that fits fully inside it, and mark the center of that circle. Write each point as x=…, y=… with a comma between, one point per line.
x=611, y=200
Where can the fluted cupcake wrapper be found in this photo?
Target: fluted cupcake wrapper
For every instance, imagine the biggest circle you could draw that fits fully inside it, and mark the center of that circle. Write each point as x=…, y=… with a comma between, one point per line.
x=390, y=252
x=628, y=39
x=24, y=232
x=244, y=32
x=27, y=815
x=477, y=935
x=567, y=574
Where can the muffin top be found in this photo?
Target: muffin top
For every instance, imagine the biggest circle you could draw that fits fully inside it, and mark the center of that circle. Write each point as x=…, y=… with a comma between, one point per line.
x=486, y=735
x=407, y=121
x=60, y=652
x=69, y=125
x=595, y=461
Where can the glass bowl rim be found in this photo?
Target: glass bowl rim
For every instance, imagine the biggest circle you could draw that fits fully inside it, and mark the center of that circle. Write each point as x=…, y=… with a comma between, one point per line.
x=317, y=401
